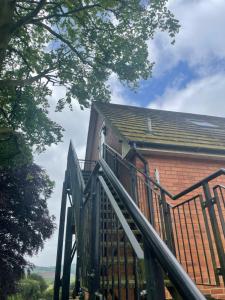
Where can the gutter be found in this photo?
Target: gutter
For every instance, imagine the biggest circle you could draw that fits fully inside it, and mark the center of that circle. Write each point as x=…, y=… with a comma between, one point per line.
x=159, y=146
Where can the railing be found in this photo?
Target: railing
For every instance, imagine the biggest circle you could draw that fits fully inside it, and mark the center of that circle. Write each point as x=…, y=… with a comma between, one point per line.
x=111, y=251
x=194, y=229
x=156, y=251
x=120, y=255
x=73, y=190
x=87, y=165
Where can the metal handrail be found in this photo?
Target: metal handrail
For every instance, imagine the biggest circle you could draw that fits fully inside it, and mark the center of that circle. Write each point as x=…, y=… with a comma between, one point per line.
x=167, y=260
x=208, y=178
x=129, y=233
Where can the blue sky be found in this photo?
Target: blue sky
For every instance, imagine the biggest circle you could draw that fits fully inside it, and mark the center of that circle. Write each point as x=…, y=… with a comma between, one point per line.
x=178, y=76
x=188, y=76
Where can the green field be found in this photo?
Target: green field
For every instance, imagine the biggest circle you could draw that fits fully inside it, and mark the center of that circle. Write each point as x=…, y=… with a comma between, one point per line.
x=48, y=273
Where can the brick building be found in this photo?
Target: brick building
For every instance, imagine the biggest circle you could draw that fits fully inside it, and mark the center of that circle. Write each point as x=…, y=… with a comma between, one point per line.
x=176, y=150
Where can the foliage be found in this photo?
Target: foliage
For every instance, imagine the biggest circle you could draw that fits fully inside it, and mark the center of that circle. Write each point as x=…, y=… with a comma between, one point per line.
x=48, y=295
x=42, y=283
x=30, y=289
x=24, y=220
x=33, y=287
x=76, y=44
x=13, y=149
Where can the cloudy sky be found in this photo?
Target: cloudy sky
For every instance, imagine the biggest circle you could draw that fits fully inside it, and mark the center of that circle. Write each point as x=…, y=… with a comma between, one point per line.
x=188, y=76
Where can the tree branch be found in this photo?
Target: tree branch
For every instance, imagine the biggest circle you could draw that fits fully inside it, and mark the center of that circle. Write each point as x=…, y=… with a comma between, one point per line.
x=21, y=55
x=29, y=16
x=22, y=82
x=70, y=12
x=61, y=38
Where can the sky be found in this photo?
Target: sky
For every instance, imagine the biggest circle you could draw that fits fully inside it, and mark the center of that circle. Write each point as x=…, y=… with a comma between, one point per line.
x=188, y=77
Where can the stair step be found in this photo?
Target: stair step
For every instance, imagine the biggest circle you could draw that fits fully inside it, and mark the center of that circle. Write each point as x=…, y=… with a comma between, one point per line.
x=114, y=231
x=130, y=282
x=115, y=260
x=114, y=243
x=109, y=221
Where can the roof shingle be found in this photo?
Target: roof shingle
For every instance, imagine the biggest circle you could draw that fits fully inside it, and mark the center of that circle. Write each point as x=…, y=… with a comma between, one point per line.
x=168, y=128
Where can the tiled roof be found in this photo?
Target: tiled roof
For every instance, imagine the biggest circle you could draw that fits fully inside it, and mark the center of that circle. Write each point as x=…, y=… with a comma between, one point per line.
x=158, y=127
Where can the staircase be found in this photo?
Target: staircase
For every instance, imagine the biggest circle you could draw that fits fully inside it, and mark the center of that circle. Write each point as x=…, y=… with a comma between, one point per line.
x=86, y=176
x=127, y=252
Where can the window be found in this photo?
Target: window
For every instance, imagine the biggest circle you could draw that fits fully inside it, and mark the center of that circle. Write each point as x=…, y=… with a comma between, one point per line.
x=203, y=123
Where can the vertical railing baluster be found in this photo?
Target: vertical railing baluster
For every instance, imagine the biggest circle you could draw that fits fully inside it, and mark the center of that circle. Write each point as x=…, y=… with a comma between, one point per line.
x=118, y=259
x=195, y=243
x=136, y=279
x=126, y=268
x=57, y=281
x=182, y=239
x=112, y=240
x=220, y=212
x=94, y=231
x=188, y=240
x=67, y=253
x=134, y=191
x=103, y=270
x=210, y=201
x=106, y=203
x=154, y=276
x=209, y=241
x=167, y=223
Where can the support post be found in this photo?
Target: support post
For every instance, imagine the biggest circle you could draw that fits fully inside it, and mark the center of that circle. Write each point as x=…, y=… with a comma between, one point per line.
x=210, y=202
x=95, y=278
x=149, y=196
x=67, y=254
x=154, y=277
x=57, y=282
x=134, y=192
x=168, y=223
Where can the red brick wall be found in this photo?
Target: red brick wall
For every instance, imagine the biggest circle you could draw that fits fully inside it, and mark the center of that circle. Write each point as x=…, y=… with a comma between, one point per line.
x=177, y=174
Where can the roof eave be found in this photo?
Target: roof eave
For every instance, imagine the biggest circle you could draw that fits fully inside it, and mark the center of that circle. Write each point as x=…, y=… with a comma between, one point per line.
x=170, y=147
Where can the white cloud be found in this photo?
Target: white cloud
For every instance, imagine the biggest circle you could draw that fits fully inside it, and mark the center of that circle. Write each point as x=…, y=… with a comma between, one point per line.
x=200, y=41
x=54, y=159
x=203, y=96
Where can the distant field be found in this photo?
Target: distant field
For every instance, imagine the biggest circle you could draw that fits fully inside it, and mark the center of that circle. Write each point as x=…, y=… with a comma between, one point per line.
x=48, y=273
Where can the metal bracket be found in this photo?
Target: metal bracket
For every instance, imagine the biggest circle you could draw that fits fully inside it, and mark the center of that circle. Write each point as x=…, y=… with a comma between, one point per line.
x=208, y=203
x=219, y=271
x=91, y=275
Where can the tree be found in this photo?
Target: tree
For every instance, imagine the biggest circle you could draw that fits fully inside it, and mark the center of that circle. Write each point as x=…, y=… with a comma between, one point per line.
x=75, y=44
x=24, y=220
x=29, y=289
x=49, y=293
x=14, y=151
x=42, y=283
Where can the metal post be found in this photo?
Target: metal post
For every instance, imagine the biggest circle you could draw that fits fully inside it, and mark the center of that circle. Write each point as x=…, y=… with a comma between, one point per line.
x=57, y=282
x=210, y=202
x=134, y=192
x=154, y=277
x=149, y=197
x=95, y=272
x=67, y=256
x=167, y=223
